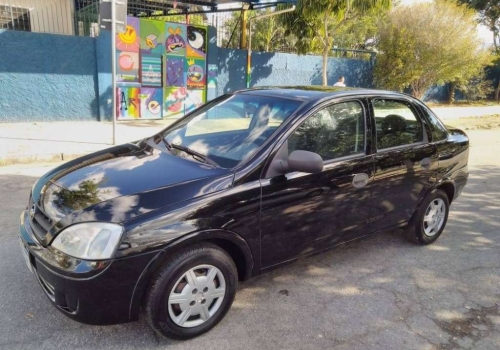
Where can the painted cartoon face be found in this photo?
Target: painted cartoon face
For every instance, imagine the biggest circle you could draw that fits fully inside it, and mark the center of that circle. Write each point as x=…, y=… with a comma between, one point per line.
x=175, y=42
x=175, y=72
x=196, y=38
x=195, y=73
x=174, y=102
x=130, y=35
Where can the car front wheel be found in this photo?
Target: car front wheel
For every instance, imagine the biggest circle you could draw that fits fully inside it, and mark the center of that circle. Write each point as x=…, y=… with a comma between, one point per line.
x=430, y=219
x=192, y=292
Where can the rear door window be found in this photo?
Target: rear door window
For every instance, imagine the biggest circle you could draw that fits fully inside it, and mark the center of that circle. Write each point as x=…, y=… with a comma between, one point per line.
x=397, y=124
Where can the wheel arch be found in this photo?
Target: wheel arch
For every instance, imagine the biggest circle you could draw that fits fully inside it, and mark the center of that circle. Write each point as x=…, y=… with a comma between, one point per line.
x=447, y=186
x=232, y=243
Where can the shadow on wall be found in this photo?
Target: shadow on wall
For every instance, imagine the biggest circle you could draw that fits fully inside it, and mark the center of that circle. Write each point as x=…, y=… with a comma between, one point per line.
x=233, y=69
x=281, y=69
x=357, y=73
x=47, y=77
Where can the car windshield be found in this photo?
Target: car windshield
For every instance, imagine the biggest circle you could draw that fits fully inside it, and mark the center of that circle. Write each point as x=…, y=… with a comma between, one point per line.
x=230, y=130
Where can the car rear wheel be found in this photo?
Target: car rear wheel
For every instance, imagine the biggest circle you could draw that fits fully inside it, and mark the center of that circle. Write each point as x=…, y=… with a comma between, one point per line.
x=192, y=292
x=430, y=219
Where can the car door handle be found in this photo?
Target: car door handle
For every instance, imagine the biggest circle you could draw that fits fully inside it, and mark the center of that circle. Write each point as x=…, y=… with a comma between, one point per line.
x=360, y=180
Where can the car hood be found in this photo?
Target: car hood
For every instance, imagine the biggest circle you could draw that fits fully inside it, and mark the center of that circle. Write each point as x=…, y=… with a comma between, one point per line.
x=109, y=185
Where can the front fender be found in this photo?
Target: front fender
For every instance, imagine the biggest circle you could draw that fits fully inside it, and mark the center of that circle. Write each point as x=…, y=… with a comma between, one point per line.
x=187, y=240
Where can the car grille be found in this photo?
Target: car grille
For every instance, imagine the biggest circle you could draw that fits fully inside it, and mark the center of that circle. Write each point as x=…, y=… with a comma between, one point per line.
x=39, y=222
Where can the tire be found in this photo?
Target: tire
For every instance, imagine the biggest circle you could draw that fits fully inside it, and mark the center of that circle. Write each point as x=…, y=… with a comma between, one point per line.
x=421, y=229
x=174, y=309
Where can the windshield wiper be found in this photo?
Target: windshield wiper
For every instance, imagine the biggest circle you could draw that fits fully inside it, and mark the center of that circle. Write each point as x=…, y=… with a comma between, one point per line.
x=196, y=155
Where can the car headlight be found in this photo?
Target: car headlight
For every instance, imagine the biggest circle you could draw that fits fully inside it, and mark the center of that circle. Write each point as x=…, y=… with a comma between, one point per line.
x=89, y=241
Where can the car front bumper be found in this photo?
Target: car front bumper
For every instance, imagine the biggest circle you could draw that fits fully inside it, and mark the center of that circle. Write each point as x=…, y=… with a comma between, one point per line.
x=92, y=292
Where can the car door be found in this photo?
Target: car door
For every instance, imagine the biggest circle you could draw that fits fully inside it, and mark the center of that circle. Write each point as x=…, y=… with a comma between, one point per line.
x=302, y=213
x=405, y=161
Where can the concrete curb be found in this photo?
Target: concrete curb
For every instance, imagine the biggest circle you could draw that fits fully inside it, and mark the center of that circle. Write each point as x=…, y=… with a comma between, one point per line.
x=36, y=158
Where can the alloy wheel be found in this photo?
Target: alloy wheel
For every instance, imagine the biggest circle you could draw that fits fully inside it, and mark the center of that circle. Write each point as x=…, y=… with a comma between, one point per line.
x=196, y=296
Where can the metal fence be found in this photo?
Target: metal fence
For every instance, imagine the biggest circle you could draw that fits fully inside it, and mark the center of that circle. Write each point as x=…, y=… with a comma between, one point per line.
x=51, y=16
x=81, y=17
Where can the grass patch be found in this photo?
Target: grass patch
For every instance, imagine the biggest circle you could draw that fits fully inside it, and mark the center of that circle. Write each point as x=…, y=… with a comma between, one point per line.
x=483, y=103
x=475, y=123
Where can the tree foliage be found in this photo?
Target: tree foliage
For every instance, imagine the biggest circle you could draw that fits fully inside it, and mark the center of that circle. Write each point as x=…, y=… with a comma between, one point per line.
x=267, y=34
x=437, y=46
x=314, y=23
x=489, y=16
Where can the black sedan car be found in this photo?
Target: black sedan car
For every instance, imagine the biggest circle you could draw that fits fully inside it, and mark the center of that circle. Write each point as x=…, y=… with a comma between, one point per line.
x=248, y=182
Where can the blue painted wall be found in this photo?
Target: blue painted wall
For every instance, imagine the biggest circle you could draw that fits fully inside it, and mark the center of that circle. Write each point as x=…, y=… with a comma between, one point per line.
x=47, y=77
x=104, y=91
x=270, y=69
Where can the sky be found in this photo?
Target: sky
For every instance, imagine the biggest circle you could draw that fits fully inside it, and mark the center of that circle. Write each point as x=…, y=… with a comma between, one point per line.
x=484, y=32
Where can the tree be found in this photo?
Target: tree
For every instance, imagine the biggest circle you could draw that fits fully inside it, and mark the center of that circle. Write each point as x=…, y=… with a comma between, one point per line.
x=267, y=34
x=439, y=45
x=315, y=21
x=489, y=16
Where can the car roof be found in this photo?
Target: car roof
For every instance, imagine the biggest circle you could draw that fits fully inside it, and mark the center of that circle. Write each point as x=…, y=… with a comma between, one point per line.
x=314, y=93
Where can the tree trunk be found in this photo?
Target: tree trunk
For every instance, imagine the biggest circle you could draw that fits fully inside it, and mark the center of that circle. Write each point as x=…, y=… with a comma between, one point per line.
x=497, y=93
x=451, y=93
x=325, y=65
x=326, y=50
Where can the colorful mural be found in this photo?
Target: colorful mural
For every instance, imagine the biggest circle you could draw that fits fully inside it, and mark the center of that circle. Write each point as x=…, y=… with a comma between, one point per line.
x=194, y=99
x=161, y=69
x=195, y=73
x=127, y=67
x=130, y=40
x=175, y=44
x=174, y=98
x=212, y=72
x=151, y=70
x=152, y=37
x=151, y=103
x=196, y=42
x=127, y=106
x=175, y=72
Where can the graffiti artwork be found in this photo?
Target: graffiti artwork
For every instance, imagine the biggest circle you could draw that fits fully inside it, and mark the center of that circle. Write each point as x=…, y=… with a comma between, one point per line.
x=212, y=72
x=197, y=42
x=195, y=73
x=161, y=69
x=127, y=68
x=194, y=99
x=175, y=44
x=129, y=41
x=151, y=70
x=152, y=37
x=175, y=72
x=128, y=103
x=173, y=105
x=151, y=103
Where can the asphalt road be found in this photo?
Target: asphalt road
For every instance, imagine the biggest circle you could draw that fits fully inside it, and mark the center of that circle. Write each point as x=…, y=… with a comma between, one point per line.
x=377, y=293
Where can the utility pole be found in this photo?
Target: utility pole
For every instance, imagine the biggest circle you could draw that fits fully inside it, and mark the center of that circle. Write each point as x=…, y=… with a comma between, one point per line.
x=243, y=37
x=113, y=65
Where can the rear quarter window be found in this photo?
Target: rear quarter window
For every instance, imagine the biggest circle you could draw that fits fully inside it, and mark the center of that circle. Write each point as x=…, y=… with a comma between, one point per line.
x=439, y=131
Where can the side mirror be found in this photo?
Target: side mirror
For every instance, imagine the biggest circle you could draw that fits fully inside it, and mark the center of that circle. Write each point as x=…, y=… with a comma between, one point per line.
x=306, y=162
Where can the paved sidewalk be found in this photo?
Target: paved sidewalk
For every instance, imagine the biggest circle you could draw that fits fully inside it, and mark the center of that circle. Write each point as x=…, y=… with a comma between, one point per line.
x=55, y=141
